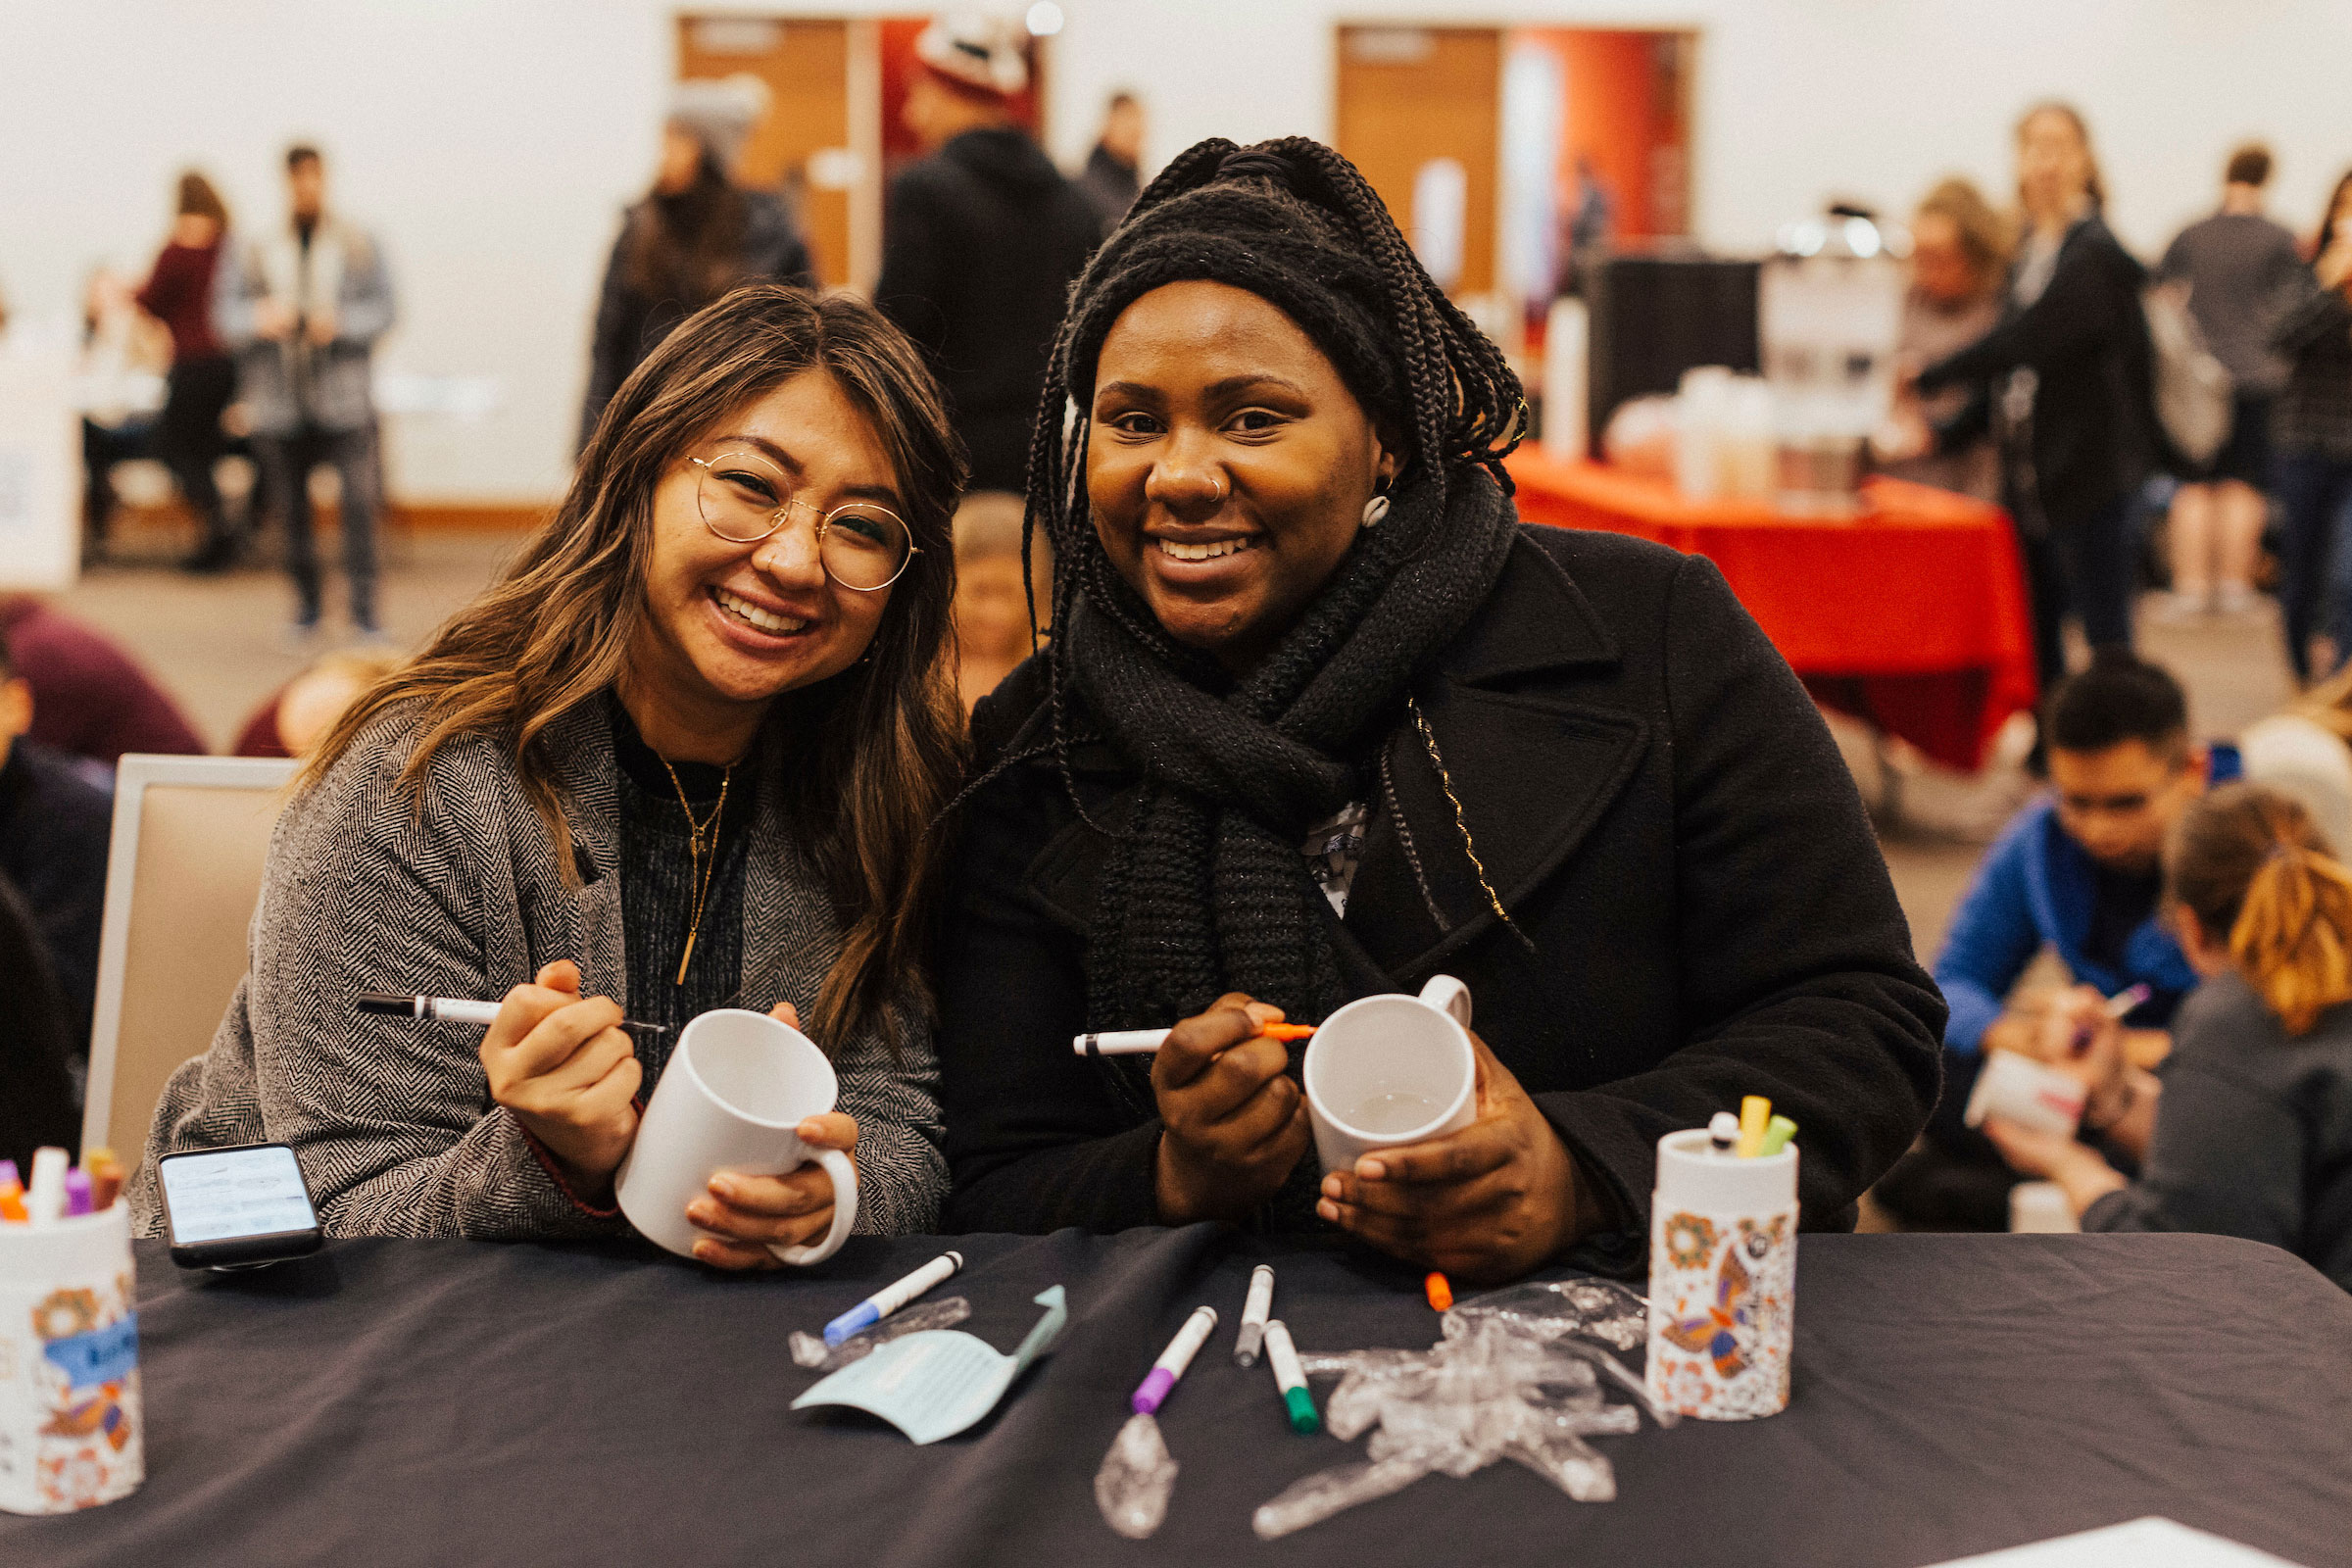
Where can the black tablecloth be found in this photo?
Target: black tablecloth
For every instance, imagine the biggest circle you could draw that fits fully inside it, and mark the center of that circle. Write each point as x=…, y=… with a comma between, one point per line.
x=438, y=1402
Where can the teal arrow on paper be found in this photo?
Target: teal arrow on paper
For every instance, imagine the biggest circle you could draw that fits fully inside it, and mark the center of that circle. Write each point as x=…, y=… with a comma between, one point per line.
x=935, y=1384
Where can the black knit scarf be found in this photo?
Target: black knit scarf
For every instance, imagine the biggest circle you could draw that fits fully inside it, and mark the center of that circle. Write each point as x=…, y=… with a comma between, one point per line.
x=1207, y=890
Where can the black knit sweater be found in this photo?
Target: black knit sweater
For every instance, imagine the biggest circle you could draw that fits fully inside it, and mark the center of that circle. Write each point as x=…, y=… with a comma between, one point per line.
x=658, y=888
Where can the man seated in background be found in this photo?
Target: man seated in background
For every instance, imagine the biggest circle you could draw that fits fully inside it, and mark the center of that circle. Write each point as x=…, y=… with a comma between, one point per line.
x=2077, y=871
x=54, y=825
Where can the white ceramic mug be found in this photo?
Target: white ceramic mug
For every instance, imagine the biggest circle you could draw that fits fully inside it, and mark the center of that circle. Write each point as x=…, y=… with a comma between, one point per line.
x=734, y=1090
x=1388, y=1070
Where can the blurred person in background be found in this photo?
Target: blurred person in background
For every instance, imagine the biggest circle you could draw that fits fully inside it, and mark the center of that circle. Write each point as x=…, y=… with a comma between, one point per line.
x=301, y=309
x=992, y=629
x=55, y=822
x=2240, y=269
x=122, y=356
x=1960, y=247
x=179, y=294
x=1112, y=177
x=2066, y=385
x=2312, y=432
x=695, y=235
x=2078, y=873
x=981, y=240
x=91, y=699
x=2247, y=1130
x=300, y=713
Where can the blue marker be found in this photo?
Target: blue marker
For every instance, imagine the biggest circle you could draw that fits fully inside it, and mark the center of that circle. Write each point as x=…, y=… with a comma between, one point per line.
x=879, y=1305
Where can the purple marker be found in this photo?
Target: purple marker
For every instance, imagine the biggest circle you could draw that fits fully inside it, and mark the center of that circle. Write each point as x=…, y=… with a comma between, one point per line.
x=77, y=1192
x=1173, y=1360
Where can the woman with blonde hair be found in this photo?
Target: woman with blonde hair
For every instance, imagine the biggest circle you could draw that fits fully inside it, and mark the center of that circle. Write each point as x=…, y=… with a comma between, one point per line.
x=685, y=753
x=2064, y=384
x=2248, y=1131
x=1960, y=246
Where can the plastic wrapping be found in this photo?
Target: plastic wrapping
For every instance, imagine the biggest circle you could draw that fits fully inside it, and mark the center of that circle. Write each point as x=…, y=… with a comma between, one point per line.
x=808, y=1349
x=1517, y=1376
x=1138, y=1473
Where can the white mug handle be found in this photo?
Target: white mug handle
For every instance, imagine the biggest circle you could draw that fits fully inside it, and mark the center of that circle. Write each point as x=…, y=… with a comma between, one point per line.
x=1448, y=995
x=845, y=1210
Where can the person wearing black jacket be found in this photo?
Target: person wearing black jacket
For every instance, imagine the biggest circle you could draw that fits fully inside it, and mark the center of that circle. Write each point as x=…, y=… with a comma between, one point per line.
x=694, y=237
x=2065, y=379
x=1320, y=720
x=2312, y=442
x=981, y=238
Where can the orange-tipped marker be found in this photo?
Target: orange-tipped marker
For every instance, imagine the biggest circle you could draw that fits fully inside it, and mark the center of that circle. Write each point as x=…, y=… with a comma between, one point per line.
x=1441, y=1291
x=1144, y=1041
x=106, y=1178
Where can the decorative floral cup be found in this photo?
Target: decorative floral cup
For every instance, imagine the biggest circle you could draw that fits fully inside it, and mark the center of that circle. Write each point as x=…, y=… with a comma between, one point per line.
x=1722, y=1279
x=71, y=1427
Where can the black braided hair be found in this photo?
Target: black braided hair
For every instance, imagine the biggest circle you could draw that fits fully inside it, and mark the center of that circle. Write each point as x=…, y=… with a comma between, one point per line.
x=1294, y=223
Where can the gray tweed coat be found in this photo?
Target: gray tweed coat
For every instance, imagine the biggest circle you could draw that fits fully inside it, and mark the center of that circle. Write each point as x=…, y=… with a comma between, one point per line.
x=391, y=1118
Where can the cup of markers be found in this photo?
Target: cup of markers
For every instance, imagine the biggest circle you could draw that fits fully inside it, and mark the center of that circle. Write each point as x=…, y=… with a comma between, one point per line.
x=71, y=1425
x=1723, y=1267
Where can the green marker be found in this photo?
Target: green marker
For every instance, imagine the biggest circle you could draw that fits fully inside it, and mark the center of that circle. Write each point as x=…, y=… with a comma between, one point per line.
x=1283, y=1357
x=1777, y=1134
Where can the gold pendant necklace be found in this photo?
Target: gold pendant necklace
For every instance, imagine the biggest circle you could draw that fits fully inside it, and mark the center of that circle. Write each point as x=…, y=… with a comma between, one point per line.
x=697, y=834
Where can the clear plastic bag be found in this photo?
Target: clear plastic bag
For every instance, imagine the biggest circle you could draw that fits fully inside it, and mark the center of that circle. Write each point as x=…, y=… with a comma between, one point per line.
x=1138, y=1473
x=810, y=1351
x=1517, y=1376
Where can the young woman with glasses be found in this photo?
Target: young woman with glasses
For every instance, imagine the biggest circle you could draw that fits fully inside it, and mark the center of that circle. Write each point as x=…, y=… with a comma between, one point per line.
x=661, y=765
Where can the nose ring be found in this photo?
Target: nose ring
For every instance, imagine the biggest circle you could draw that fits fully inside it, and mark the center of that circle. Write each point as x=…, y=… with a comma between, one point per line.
x=1219, y=485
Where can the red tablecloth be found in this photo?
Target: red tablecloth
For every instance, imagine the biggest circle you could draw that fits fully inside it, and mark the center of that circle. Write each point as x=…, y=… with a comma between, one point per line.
x=1912, y=615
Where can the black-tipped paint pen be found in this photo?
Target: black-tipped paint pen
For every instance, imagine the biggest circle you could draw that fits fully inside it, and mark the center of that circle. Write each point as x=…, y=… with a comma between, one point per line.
x=457, y=1010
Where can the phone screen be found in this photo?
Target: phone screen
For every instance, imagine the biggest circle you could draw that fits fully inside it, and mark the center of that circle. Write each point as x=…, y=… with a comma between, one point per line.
x=235, y=1193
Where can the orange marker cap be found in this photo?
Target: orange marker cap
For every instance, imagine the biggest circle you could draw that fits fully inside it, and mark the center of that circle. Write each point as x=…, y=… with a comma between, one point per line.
x=1286, y=1031
x=1441, y=1291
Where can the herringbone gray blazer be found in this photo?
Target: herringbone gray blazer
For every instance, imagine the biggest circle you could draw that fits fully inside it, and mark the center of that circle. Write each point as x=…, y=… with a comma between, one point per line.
x=458, y=893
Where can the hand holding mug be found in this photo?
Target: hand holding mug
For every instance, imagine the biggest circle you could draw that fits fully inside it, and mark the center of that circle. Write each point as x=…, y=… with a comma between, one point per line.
x=566, y=1070
x=1488, y=1202
x=1233, y=1122
x=747, y=1214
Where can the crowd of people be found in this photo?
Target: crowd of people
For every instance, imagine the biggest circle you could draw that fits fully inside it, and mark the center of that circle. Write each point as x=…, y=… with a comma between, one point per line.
x=1236, y=694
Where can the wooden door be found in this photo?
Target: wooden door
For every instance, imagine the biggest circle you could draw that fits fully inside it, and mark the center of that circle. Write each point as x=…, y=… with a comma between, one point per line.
x=1411, y=95
x=807, y=67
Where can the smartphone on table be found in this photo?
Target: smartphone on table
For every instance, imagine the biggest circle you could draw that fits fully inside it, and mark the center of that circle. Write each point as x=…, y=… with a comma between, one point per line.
x=236, y=1207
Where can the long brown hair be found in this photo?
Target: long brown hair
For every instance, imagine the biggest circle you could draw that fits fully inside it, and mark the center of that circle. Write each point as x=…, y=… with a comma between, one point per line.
x=1986, y=237
x=198, y=199
x=2246, y=860
x=2096, y=182
x=877, y=747
x=2330, y=212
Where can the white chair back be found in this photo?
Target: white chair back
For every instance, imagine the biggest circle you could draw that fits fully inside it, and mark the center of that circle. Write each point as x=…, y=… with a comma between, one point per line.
x=183, y=872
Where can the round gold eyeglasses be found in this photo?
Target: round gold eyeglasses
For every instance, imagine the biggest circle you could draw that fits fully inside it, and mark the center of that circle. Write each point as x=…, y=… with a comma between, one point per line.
x=745, y=498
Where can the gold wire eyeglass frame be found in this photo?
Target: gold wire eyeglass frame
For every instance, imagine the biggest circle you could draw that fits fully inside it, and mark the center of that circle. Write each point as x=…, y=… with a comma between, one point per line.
x=777, y=515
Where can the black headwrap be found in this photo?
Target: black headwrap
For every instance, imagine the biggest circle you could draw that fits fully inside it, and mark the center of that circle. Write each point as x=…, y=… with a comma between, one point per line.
x=1206, y=888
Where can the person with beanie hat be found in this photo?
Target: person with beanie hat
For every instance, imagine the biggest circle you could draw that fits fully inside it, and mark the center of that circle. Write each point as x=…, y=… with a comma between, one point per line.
x=1318, y=719
x=695, y=236
x=981, y=238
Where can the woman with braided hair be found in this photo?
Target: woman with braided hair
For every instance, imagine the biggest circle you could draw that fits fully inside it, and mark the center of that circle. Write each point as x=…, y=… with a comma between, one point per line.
x=1319, y=718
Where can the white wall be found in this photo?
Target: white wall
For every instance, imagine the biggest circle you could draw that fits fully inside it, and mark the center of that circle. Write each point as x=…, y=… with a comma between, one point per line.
x=492, y=142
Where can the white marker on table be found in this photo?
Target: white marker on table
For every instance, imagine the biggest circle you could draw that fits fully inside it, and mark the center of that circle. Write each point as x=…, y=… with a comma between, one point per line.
x=1291, y=1379
x=1172, y=1361
x=1254, y=1312
x=879, y=1305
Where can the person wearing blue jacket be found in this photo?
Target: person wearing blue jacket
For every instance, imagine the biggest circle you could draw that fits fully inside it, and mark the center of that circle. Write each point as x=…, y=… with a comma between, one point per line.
x=2077, y=871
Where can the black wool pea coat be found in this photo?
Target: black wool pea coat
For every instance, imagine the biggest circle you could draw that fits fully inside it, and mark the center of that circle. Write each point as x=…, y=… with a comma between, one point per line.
x=1662, y=812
